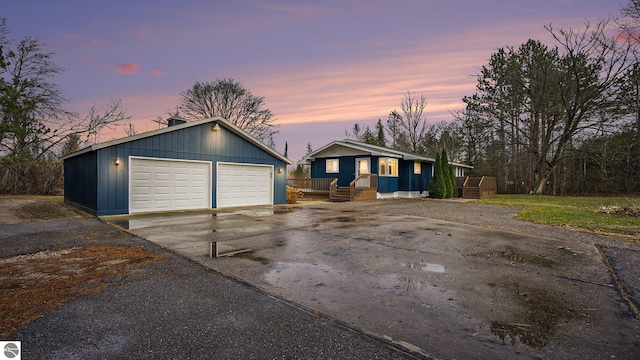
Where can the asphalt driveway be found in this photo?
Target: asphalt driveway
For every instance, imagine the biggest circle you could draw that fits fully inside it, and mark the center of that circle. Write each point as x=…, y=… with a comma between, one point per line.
x=172, y=308
x=437, y=288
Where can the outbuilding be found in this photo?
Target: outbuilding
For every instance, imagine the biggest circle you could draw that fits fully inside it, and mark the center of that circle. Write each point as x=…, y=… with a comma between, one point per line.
x=204, y=164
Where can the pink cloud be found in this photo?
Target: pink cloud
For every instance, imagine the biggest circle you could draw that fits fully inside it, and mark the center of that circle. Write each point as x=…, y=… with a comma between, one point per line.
x=96, y=41
x=127, y=69
x=294, y=9
x=71, y=36
x=158, y=73
x=142, y=33
x=623, y=37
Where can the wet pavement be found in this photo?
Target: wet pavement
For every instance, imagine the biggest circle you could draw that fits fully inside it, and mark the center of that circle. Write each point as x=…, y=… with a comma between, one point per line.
x=436, y=288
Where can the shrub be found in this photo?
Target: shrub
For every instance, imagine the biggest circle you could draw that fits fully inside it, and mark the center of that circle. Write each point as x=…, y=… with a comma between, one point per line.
x=293, y=195
x=454, y=184
x=446, y=179
x=437, y=187
x=30, y=177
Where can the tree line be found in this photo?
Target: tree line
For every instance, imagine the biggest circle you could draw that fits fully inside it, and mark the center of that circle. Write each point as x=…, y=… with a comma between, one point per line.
x=561, y=119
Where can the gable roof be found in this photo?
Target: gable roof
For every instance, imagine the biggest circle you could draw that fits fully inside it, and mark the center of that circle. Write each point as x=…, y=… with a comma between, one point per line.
x=218, y=120
x=373, y=150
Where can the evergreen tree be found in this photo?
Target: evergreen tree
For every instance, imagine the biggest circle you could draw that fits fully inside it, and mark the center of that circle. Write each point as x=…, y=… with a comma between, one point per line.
x=454, y=183
x=436, y=185
x=368, y=137
x=444, y=165
x=380, y=138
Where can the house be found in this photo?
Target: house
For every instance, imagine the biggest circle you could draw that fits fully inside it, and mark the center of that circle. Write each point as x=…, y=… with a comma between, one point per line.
x=398, y=173
x=202, y=164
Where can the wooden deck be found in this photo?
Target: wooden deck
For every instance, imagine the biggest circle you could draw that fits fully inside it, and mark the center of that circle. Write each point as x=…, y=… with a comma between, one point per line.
x=315, y=188
x=364, y=187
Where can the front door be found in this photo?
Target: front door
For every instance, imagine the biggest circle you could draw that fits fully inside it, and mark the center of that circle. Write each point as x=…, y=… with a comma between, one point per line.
x=363, y=166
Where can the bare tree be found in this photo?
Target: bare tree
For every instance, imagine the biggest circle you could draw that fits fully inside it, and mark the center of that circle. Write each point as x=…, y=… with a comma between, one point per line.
x=230, y=100
x=444, y=135
x=393, y=128
x=411, y=126
x=33, y=122
x=538, y=101
x=129, y=129
x=592, y=64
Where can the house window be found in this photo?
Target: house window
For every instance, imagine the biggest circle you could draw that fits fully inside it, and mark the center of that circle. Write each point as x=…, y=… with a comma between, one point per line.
x=388, y=167
x=417, y=167
x=332, y=166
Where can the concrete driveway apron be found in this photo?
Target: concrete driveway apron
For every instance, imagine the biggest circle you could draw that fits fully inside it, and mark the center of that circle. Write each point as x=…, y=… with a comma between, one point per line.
x=436, y=288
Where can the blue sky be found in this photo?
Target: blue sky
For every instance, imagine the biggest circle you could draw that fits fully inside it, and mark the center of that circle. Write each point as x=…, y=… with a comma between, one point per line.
x=321, y=66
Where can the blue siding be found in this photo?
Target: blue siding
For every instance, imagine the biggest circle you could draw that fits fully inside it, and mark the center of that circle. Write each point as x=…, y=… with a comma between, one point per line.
x=427, y=169
x=103, y=187
x=387, y=184
x=414, y=182
x=80, y=181
x=346, y=168
x=406, y=178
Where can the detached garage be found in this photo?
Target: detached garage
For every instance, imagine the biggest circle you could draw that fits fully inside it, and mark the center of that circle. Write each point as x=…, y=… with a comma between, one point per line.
x=202, y=164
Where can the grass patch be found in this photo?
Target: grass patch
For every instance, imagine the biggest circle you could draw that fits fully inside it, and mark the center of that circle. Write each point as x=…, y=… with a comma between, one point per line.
x=579, y=213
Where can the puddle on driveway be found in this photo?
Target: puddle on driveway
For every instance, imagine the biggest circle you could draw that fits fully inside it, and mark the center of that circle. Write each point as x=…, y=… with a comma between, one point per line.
x=512, y=255
x=542, y=312
x=281, y=211
x=436, y=268
x=344, y=219
x=252, y=256
x=299, y=276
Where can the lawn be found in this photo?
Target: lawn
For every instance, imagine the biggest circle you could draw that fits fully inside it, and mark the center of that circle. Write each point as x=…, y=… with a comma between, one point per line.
x=580, y=213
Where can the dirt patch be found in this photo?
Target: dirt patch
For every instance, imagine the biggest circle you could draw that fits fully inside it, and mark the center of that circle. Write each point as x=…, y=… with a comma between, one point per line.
x=21, y=209
x=33, y=285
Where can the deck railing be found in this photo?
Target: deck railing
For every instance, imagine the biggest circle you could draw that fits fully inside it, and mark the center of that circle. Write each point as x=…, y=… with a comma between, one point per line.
x=488, y=186
x=479, y=187
x=310, y=184
x=317, y=186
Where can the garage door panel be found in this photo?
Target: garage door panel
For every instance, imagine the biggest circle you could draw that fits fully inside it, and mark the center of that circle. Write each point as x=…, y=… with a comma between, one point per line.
x=164, y=185
x=142, y=204
x=182, y=178
x=244, y=185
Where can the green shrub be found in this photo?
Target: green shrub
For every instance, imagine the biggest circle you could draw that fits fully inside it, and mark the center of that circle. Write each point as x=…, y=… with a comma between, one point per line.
x=437, y=187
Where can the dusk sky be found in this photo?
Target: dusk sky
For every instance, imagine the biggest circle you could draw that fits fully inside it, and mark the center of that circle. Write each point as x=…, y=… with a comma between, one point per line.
x=320, y=65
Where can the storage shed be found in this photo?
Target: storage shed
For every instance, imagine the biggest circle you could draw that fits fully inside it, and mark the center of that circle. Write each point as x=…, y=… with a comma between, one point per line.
x=202, y=164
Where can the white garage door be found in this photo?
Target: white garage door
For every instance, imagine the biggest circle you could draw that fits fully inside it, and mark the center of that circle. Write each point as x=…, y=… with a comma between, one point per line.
x=244, y=185
x=165, y=185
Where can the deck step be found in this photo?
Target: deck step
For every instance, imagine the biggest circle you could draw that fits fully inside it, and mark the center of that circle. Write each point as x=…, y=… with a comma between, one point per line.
x=344, y=194
x=472, y=193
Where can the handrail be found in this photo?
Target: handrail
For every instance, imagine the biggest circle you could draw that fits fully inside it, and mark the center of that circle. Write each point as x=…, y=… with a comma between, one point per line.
x=363, y=184
x=333, y=188
x=474, y=181
x=364, y=181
